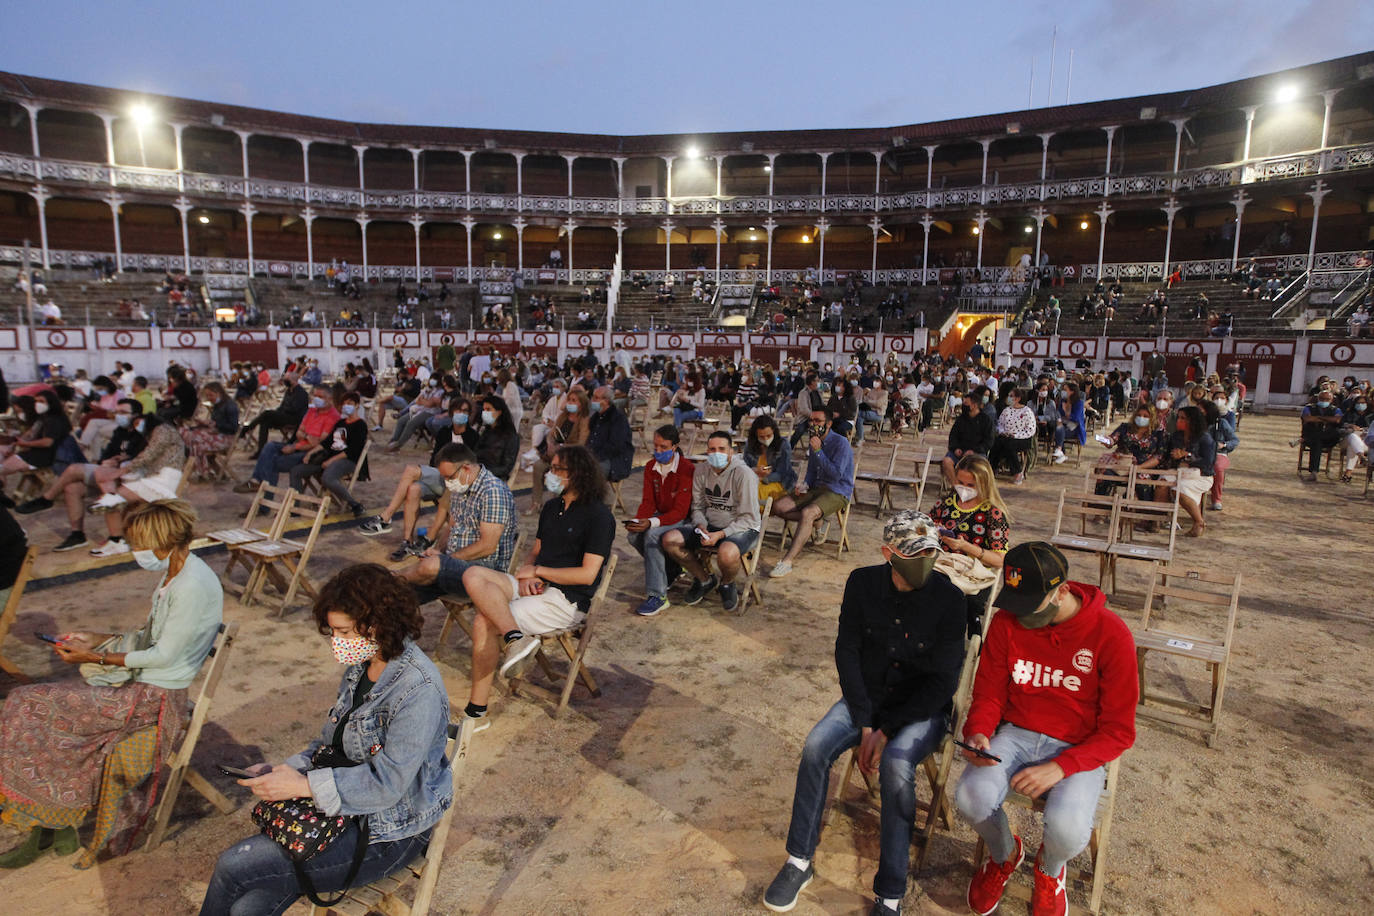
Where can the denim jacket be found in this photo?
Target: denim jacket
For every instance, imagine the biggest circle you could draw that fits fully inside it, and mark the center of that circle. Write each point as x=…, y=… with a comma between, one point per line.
x=403, y=783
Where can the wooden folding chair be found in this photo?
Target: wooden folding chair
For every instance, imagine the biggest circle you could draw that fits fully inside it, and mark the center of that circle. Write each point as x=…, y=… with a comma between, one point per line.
x=619, y=500
x=186, y=467
x=1131, y=517
x=937, y=765
x=1185, y=587
x=277, y=499
x=1113, y=476
x=749, y=559
x=917, y=481
x=458, y=605
x=882, y=465
x=419, y=877
x=219, y=461
x=11, y=610
x=290, y=553
x=1085, y=508
x=180, y=760
x=574, y=641
x=1095, y=877
x=314, y=484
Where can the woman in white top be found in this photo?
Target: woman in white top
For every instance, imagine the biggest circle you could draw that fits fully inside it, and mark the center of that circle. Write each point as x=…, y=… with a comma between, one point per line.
x=1016, y=426
x=510, y=393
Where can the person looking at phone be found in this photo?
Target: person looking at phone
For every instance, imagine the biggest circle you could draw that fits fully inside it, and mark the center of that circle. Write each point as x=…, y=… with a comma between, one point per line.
x=725, y=515
x=55, y=738
x=974, y=521
x=1055, y=699
x=826, y=489
x=380, y=754
x=553, y=588
x=898, y=654
x=666, y=503
x=972, y=433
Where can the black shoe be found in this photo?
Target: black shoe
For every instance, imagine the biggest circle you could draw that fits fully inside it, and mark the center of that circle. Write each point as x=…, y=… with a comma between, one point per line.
x=699, y=590
x=5, y=500
x=729, y=597
x=408, y=549
x=74, y=540
x=781, y=895
x=356, y=509
x=37, y=504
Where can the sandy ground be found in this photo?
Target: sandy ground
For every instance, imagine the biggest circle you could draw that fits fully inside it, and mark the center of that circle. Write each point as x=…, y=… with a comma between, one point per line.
x=671, y=793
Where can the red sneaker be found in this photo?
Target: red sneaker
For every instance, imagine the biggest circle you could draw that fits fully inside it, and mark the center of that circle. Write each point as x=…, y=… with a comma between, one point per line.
x=1050, y=897
x=988, y=883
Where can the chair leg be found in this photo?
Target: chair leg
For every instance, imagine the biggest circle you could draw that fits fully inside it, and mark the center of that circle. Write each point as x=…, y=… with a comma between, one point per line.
x=209, y=792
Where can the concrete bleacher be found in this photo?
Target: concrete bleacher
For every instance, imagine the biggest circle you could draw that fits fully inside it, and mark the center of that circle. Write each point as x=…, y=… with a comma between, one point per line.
x=83, y=299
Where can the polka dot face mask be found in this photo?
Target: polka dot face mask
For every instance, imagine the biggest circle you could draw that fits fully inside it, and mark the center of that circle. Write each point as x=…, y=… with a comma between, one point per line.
x=353, y=650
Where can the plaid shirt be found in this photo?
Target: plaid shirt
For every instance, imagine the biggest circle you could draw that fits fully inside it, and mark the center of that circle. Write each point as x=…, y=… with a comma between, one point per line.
x=487, y=501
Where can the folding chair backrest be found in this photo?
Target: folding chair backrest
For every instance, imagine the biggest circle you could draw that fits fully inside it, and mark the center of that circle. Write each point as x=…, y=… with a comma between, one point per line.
x=1081, y=508
x=1151, y=477
x=1188, y=587
x=1116, y=474
x=607, y=572
x=923, y=474
x=185, y=475
x=963, y=694
x=308, y=508
x=1131, y=511
x=279, y=500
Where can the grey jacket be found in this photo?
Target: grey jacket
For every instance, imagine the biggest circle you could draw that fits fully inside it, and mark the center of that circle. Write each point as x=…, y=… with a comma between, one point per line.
x=726, y=501
x=403, y=783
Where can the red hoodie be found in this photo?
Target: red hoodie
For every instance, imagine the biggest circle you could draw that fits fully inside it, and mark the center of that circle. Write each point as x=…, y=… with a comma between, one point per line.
x=1075, y=681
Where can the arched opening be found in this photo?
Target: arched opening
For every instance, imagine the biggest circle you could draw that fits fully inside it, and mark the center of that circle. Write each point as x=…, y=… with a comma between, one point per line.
x=333, y=164
x=443, y=170
x=216, y=233
x=904, y=170
x=387, y=169
x=494, y=245
x=80, y=225
x=493, y=173
x=645, y=176
x=150, y=229
x=1143, y=148
x=443, y=245
x=593, y=247
x=851, y=173
x=390, y=243
x=338, y=239
x=694, y=176
x=594, y=177
x=15, y=136
x=744, y=176
x=211, y=152
x=275, y=158
x=1213, y=139
x=1078, y=154
x=1014, y=160
x=797, y=174
x=1352, y=117
x=958, y=165
x=545, y=176
x=150, y=144
x=1287, y=128
x=19, y=219
x=279, y=236
x=71, y=135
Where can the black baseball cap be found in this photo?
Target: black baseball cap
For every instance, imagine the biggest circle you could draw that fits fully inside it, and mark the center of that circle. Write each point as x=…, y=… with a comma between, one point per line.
x=1030, y=571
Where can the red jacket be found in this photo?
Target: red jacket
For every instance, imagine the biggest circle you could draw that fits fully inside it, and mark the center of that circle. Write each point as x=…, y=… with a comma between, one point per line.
x=1075, y=681
x=667, y=498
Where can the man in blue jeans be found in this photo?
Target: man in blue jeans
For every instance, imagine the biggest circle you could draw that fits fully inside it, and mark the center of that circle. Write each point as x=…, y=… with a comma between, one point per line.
x=1053, y=702
x=898, y=653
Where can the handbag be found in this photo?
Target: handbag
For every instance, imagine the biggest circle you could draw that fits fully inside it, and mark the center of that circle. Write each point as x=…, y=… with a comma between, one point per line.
x=98, y=675
x=298, y=826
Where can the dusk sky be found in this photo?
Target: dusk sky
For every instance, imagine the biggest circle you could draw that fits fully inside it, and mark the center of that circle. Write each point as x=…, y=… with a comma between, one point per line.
x=641, y=67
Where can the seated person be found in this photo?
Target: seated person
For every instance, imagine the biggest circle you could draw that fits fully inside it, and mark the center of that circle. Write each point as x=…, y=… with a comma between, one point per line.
x=429, y=402
x=1321, y=429
x=285, y=416
x=974, y=521
x=608, y=435
x=972, y=432
x=895, y=718
x=498, y=441
x=154, y=474
x=553, y=589
x=1055, y=732
x=476, y=525
x=277, y=458
x=827, y=488
x=336, y=455
x=213, y=436
x=44, y=424
x=179, y=401
x=666, y=502
x=56, y=737
x=725, y=515
x=769, y=455
x=1015, y=435
x=1138, y=440
x=380, y=754
x=77, y=479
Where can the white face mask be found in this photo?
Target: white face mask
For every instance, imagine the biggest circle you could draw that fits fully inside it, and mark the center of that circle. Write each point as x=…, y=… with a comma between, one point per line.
x=1162, y=404
x=456, y=487
x=965, y=494
x=149, y=560
x=553, y=483
x=40, y=407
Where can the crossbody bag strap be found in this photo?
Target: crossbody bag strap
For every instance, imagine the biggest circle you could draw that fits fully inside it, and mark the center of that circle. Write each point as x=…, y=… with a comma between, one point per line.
x=359, y=852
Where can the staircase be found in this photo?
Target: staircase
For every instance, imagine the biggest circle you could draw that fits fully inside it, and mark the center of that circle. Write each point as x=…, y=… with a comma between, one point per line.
x=639, y=308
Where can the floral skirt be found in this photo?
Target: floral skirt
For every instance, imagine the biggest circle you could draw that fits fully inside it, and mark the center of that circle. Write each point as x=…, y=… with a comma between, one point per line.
x=68, y=747
x=202, y=442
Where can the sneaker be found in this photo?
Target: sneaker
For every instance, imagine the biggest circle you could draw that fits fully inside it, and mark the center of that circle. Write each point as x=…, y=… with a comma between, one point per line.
x=107, y=503
x=729, y=597
x=418, y=546
x=356, y=509
x=986, y=887
x=516, y=652
x=374, y=526
x=781, y=895
x=882, y=909
x=400, y=553
x=1058, y=456
x=480, y=723
x=1216, y=507
x=111, y=548
x=652, y=606
x=248, y=486
x=74, y=540
x=699, y=590
x=37, y=504
x=1049, y=897
x=1019, y=479
x=780, y=569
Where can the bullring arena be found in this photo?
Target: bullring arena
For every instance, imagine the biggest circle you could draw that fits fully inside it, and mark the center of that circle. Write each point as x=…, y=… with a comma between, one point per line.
x=256, y=237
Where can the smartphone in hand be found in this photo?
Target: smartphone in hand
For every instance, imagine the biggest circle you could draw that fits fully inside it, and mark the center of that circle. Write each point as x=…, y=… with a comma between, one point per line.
x=52, y=639
x=236, y=772
x=978, y=751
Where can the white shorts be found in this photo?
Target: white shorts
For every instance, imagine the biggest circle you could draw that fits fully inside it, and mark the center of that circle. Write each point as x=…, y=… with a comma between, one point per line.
x=544, y=613
x=162, y=485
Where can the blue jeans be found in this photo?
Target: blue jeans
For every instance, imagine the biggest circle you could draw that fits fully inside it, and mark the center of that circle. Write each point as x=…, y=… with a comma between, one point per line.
x=272, y=463
x=866, y=415
x=832, y=736
x=448, y=581
x=658, y=569
x=255, y=877
x=1069, y=806
x=682, y=415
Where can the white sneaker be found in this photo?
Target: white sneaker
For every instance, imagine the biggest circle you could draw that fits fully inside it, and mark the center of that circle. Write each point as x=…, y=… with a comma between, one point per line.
x=111, y=500
x=780, y=569
x=111, y=548
x=1059, y=456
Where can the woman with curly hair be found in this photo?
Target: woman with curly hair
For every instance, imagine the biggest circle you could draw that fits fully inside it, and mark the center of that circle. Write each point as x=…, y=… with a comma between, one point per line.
x=380, y=755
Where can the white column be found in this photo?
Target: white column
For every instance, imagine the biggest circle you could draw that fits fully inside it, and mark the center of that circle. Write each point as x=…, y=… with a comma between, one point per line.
x=1329, y=97
x=769, y=224
x=719, y=164
x=115, y=202
x=415, y=163
x=772, y=160
x=33, y=111
x=825, y=161
x=308, y=217
x=1045, y=155
x=930, y=172
x=982, y=220
x=416, y=221
x=821, y=226
x=668, y=244
x=668, y=180
x=1178, y=141
x=1111, y=135
x=362, y=220
x=467, y=173
x=619, y=227
x=183, y=206
x=1239, y=202
x=1103, y=212
x=519, y=223
x=1319, y=191
x=572, y=227
x=877, y=172
x=40, y=195
x=469, y=224
x=243, y=150
x=1249, y=129
x=570, y=160
x=619, y=176
x=248, y=211
x=719, y=226
x=1040, y=214
x=926, y=223
x=876, y=225
x=305, y=158
x=1170, y=211
x=519, y=174
x=180, y=160
x=362, y=157
x=986, y=144
x=108, y=121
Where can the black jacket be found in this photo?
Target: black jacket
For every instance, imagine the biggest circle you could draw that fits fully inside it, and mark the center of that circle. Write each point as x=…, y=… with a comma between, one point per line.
x=972, y=434
x=294, y=404
x=898, y=653
x=610, y=440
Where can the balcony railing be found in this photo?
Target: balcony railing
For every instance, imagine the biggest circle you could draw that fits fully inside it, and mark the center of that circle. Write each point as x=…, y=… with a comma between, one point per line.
x=200, y=187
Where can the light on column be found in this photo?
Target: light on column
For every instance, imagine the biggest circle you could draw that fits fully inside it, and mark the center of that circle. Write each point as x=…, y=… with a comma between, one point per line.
x=1083, y=225
x=496, y=236
x=1028, y=230
x=976, y=230
x=693, y=152
x=1286, y=94
x=204, y=219
x=141, y=114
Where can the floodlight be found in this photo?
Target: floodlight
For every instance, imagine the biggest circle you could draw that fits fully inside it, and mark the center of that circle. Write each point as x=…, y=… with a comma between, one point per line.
x=1028, y=230
x=496, y=235
x=693, y=152
x=141, y=114
x=1083, y=225
x=976, y=230
x=1286, y=94
x=204, y=218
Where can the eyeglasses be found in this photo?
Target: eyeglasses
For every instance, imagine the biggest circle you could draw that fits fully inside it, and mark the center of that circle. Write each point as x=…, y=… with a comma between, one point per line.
x=559, y=468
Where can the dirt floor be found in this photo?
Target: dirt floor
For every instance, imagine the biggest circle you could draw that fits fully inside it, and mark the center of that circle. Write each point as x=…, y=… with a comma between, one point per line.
x=671, y=792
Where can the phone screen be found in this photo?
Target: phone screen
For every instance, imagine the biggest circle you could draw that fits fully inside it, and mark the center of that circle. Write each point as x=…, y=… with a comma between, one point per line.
x=234, y=771
x=52, y=639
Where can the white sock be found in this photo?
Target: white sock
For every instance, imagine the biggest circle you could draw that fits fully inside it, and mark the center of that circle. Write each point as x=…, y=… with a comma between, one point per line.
x=892, y=903
x=802, y=864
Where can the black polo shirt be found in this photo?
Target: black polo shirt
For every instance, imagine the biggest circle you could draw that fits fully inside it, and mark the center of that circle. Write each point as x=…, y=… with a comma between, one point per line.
x=567, y=534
